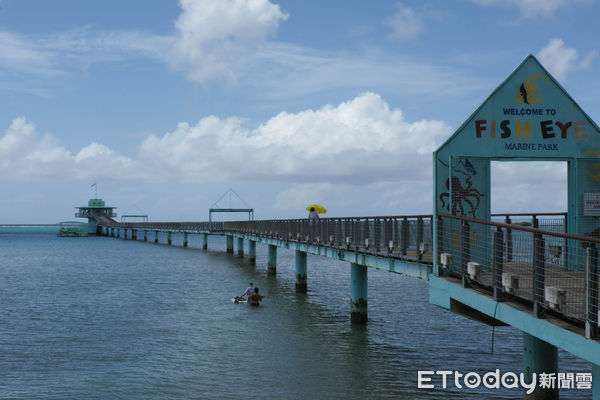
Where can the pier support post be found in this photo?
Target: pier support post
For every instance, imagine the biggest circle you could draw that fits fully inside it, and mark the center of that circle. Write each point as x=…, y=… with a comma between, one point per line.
x=145, y=236
x=358, y=293
x=539, y=356
x=229, y=244
x=301, y=286
x=169, y=240
x=205, y=241
x=119, y=233
x=124, y=233
x=185, y=239
x=133, y=234
x=155, y=236
x=272, y=260
x=251, y=252
x=240, y=246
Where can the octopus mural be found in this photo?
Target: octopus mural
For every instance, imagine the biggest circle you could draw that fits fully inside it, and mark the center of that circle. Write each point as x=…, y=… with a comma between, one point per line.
x=464, y=199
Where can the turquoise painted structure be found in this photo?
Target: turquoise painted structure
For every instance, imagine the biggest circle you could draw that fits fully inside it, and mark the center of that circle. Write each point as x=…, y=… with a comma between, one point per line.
x=301, y=270
x=230, y=244
x=529, y=117
x=96, y=208
x=252, y=252
x=358, y=293
x=272, y=260
x=240, y=247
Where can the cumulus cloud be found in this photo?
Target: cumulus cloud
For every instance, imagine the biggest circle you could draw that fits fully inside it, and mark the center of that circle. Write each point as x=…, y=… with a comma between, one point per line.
x=561, y=60
x=405, y=23
x=361, y=140
x=26, y=154
x=531, y=8
x=215, y=36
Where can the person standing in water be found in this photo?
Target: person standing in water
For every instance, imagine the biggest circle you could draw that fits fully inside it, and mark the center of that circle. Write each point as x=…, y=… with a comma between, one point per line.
x=255, y=298
x=249, y=290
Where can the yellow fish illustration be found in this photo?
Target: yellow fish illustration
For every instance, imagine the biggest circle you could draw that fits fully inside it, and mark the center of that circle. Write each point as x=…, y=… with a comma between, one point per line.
x=528, y=90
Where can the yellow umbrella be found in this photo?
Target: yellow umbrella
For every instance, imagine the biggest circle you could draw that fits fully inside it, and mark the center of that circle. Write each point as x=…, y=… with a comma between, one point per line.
x=318, y=208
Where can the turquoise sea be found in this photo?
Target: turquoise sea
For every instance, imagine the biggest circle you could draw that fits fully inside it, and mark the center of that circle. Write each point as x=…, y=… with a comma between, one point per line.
x=107, y=318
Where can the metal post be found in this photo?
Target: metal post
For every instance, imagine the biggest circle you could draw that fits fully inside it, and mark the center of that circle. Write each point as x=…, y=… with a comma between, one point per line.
x=387, y=236
x=229, y=244
x=377, y=233
x=185, y=239
x=251, y=252
x=539, y=357
x=497, y=265
x=125, y=234
x=301, y=286
x=272, y=260
x=240, y=246
x=155, y=236
x=205, y=241
x=509, y=241
x=133, y=234
x=420, y=230
x=539, y=266
x=591, y=290
x=395, y=233
x=465, y=253
x=367, y=233
x=145, y=235
x=358, y=293
x=169, y=241
x=405, y=239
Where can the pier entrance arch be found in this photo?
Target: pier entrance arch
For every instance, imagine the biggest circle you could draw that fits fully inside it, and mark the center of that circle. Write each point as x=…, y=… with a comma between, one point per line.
x=529, y=117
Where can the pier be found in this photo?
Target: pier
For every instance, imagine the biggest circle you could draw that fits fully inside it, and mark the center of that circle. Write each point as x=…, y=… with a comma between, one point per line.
x=535, y=272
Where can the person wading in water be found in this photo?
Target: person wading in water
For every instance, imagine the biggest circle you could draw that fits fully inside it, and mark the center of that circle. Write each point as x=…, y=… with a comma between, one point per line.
x=255, y=298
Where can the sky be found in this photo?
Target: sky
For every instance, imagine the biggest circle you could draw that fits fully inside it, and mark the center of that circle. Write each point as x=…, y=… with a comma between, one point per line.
x=166, y=105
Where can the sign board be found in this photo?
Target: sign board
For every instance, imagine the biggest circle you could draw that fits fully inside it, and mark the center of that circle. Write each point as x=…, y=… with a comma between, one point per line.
x=591, y=204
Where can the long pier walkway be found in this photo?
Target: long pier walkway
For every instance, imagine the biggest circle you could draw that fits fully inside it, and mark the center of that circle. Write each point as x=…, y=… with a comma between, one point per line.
x=538, y=273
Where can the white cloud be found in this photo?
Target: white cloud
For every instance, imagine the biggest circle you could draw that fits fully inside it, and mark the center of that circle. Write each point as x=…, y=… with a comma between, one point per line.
x=530, y=8
x=561, y=60
x=215, y=36
x=405, y=23
x=25, y=154
x=361, y=140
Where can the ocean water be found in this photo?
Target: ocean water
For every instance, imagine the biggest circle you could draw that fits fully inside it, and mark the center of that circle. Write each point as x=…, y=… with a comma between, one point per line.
x=107, y=318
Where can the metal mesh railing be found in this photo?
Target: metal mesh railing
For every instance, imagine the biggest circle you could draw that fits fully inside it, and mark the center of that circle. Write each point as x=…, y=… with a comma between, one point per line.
x=550, y=269
x=394, y=236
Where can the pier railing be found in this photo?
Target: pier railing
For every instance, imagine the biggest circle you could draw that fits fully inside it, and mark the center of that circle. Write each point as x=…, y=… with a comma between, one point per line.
x=407, y=237
x=554, y=272
x=171, y=226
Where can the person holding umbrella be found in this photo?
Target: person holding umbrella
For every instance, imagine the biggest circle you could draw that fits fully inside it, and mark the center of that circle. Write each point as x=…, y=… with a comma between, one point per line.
x=313, y=217
x=314, y=211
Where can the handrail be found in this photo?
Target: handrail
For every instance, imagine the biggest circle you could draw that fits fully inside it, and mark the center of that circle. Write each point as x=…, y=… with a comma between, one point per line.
x=523, y=228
